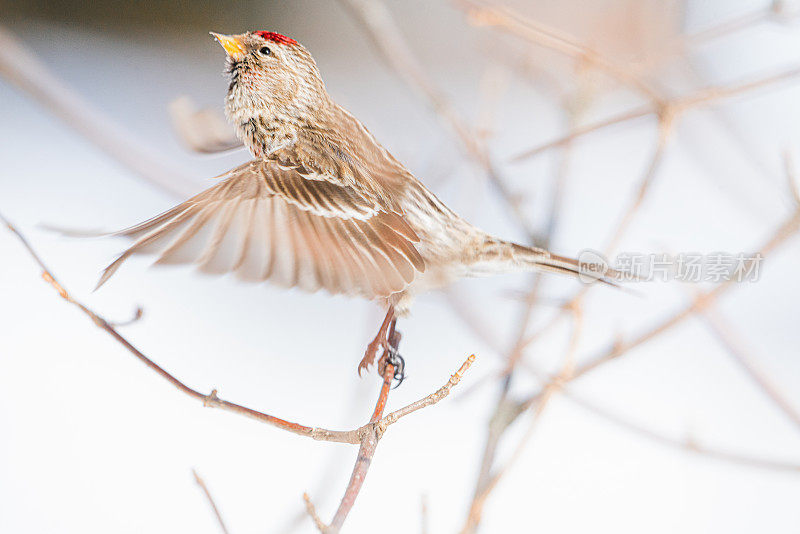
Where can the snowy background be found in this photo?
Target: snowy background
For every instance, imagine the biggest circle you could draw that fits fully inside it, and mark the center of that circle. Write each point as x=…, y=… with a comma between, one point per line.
x=92, y=441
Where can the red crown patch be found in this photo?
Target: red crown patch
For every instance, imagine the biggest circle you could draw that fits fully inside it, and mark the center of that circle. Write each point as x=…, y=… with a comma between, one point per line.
x=276, y=38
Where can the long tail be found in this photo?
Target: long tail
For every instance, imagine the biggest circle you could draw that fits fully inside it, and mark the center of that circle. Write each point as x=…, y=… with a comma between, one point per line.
x=590, y=268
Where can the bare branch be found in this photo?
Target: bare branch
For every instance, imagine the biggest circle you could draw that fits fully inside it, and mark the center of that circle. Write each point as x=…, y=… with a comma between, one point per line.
x=312, y=512
x=507, y=412
x=675, y=107
x=202, y=484
x=366, y=451
x=736, y=347
x=509, y=20
x=791, y=177
x=720, y=92
x=688, y=446
x=212, y=399
x=372, y=434
x=366, y=436
x=685, y=445
x=664, y=131
x=775, y=11
x=430, y=400
x=727, y=27
x=782, y=234
x=583, y=130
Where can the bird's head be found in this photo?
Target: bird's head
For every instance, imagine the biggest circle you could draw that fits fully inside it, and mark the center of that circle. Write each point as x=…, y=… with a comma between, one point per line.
x=272, y=73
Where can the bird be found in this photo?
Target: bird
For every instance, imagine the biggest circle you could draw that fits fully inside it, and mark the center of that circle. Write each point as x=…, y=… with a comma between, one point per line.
x=322, y=205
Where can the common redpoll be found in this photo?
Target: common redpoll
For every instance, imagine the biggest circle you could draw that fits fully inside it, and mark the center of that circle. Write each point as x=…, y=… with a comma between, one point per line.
x=322, y=205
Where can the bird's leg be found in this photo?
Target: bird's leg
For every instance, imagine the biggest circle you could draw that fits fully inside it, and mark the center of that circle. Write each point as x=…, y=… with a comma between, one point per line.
x=381, y=341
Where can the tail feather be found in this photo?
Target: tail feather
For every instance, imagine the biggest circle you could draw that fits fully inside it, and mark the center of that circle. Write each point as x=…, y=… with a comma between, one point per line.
x=586, y=271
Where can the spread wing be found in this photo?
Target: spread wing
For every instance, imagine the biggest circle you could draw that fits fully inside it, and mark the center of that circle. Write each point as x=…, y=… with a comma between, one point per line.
x=290, y=225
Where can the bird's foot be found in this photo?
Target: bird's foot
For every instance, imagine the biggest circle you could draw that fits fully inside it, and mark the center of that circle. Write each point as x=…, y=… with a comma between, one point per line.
x=371, y=352
x=383, y=339
x=391, y=356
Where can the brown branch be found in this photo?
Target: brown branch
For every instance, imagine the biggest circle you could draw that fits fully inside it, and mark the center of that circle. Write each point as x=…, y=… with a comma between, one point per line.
x=503, y=417
x=720, y=92
x=373, y=432
x=210, y=499
x=24, y=70
x=582, y=131
x=211, y=399
x=736, y=347
x=775, y=11
x=507, y=412
x=430, y=400
x=312, y=512
x=509, y=20
x=732, y=25
x=675, y=107
x=788, y=229
x=366, y=436
x=665, y=128
x=685, y=445
x=366, y=451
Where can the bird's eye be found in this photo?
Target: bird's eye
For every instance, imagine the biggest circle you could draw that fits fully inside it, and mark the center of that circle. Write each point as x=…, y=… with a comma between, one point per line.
x=265, y=51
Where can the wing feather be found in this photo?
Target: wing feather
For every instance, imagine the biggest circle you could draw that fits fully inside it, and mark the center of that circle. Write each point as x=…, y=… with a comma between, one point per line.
x=265, y=221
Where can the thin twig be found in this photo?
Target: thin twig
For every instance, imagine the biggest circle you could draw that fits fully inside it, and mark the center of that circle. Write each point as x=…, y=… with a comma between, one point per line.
x=366, y=436
x=785, y=231
x=676, y=107
x=312, y=512
x=214, y=508
x=511, y=21
x=732, y=25
x=685, y=445
x=774, y=11
x=665, y=127
x=212, y=400
x=430, y=400
x=788, y=229
x=791, y=177
x=373, y=432
x=489, y=475
x=689, y=446
x=540, y=399
x=736, y=347
x=503, y=416
x=506, y=412
x=582, y=131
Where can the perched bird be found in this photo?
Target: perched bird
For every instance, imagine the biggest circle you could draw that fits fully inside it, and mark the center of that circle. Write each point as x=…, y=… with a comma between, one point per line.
x=322, y=205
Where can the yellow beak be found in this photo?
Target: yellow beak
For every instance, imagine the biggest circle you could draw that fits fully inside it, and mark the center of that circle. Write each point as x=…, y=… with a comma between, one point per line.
x=232, y=45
